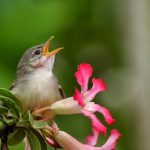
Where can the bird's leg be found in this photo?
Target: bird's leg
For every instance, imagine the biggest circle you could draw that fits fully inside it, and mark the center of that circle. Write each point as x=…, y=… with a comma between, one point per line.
x=43, y=114
x=40, y=110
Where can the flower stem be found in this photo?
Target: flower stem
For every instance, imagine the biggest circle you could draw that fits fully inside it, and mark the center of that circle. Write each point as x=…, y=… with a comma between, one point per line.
x=4, y=136
x=4, y=145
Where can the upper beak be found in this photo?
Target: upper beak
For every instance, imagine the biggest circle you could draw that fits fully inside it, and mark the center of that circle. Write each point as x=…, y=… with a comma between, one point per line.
x=46, y=48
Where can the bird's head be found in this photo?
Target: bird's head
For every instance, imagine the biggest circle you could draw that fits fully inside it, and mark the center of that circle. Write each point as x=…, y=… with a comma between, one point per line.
x=37, y=57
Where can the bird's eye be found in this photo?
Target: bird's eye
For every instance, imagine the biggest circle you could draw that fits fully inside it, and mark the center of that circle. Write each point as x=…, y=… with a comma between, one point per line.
x=37, y=52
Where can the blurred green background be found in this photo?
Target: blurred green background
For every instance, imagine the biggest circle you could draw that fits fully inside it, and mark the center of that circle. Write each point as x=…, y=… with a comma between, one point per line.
x=113, y=36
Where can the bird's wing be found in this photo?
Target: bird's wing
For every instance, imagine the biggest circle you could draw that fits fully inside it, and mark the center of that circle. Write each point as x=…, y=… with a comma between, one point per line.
x=12, y=86
x=61, y=92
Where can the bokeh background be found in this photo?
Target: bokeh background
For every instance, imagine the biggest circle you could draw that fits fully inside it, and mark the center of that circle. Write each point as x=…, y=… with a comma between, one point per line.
x=113, y=36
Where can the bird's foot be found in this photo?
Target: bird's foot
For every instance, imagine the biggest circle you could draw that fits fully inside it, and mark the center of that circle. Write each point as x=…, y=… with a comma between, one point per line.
x=43, y=114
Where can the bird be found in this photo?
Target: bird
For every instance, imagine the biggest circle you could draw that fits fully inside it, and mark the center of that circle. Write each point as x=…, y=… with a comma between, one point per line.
x=36, y=86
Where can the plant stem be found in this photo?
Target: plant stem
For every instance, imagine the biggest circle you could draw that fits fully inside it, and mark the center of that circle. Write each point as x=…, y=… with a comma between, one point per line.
x=4, y=145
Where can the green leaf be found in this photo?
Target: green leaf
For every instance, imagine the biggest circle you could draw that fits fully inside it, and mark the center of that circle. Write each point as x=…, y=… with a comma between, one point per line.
x=11, y=114
x=39, y=124
x=41, y=139
x=3, y=109
x=9, y=120
x=7, y=93
x=17, y=136
x=30, y=118
x=11, y=104
x=2, y=123
x=10, y=117
x=36, y=123
x=24, y=121
x=33, y=140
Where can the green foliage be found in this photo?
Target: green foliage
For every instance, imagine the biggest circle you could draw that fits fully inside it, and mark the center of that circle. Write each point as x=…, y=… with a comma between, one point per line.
x=39, y=138
x=3, y=109
x=7, y=93
x=17, y=136
x=35, y=139
x=9, y=100
x=10, y=104
x=17, y=124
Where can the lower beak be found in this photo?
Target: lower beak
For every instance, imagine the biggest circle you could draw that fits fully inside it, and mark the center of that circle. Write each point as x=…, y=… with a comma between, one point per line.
x=46, y=48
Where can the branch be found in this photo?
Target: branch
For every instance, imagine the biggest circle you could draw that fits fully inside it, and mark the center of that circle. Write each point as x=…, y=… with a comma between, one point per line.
x=4, y=145
x=4, y=136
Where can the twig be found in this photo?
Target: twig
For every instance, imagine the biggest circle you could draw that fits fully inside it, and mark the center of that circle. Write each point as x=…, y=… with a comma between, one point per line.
x=4, y=136
x=4, y=145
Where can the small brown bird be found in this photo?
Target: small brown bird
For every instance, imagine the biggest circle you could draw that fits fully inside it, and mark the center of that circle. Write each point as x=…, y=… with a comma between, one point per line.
x=36, y=86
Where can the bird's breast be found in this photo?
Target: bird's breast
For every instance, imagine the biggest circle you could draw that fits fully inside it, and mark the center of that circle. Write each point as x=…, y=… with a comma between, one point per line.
x=37, y=90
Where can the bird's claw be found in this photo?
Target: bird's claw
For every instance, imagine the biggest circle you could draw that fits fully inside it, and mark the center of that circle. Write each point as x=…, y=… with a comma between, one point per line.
x=43, y=114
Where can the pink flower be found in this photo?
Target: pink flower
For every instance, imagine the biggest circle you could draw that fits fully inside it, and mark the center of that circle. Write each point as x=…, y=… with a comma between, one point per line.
x=81, y=102
x=85, y=97
x=68, y=142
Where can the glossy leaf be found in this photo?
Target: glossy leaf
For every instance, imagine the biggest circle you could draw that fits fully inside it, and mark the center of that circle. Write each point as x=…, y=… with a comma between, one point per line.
x=36, y=123
x=8, y=120
x=10, y=103
x=39, y=124
x=7, y=93
x=41, y=139
x=33, y=140
x=11, y=113
x=25, y=119
x=16, y=137
x=3, y=109
x=2, y=124
x=30, y=118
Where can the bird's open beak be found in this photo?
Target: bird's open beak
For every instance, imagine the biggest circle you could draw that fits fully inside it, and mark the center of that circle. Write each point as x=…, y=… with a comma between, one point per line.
x=46, y=48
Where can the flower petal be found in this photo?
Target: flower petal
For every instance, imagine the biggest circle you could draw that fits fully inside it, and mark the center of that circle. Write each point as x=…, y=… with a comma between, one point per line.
x=105, y=112
x=96, y=124
x=82, y=75
x=70, y=143
x=111, y=142
x=65, y=106
x=79, y=97
x=92, y=139
x=98, y=86
x=50, y=141
x=27, y=145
